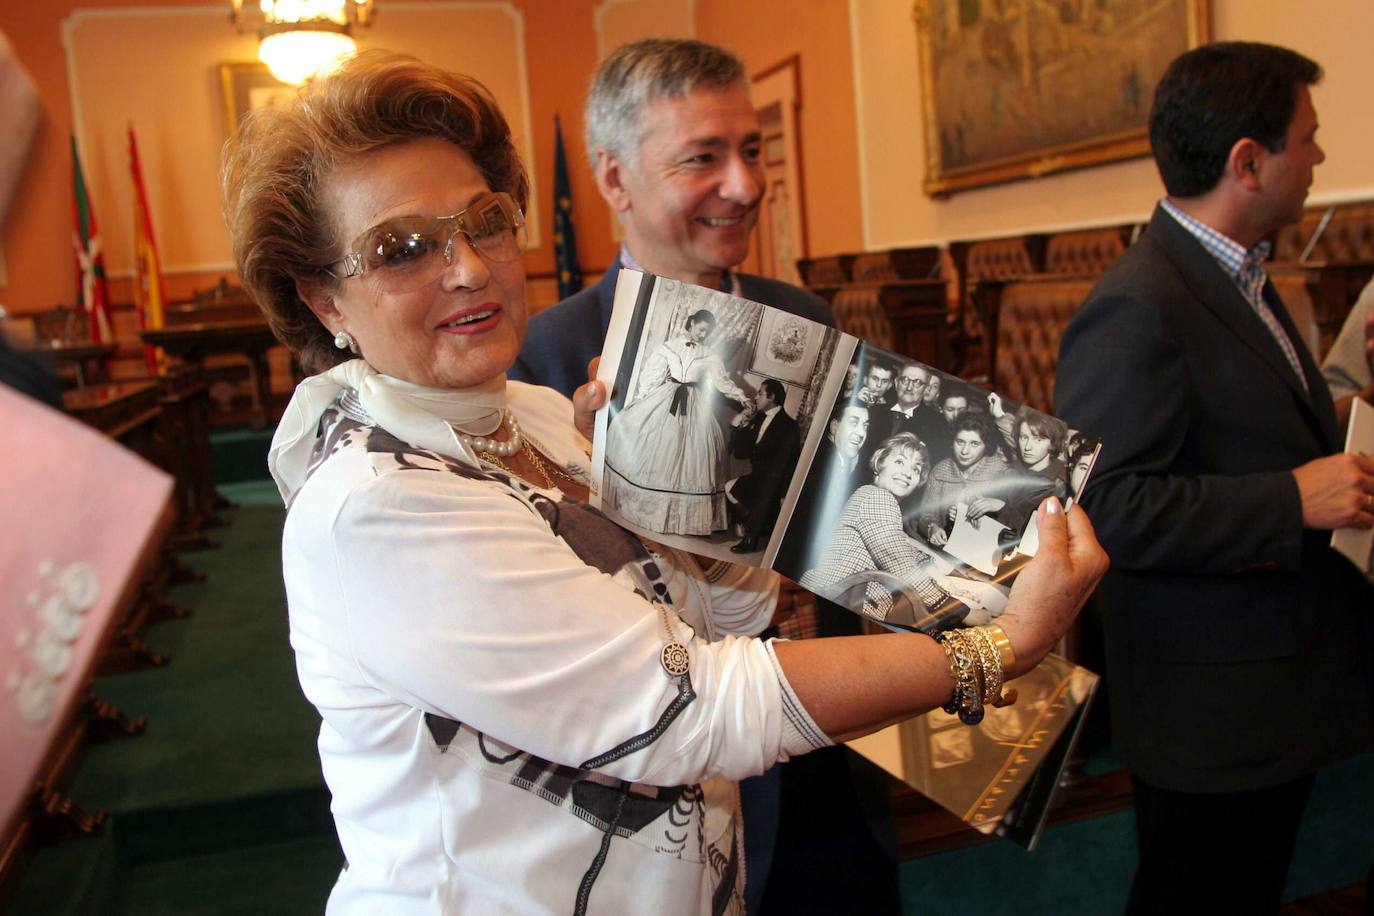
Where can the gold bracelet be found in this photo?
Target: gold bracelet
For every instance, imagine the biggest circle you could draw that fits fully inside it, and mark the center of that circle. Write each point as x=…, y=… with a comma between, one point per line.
x=990, y=661
x=994, y=696
x=1003, y=644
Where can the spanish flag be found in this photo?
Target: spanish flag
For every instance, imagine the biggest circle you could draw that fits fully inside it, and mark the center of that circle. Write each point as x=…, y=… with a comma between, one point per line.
x=90, y=261
x=147, y=268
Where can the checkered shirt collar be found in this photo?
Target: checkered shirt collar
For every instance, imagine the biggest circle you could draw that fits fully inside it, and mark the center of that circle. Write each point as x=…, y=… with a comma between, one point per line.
x=1246, y=268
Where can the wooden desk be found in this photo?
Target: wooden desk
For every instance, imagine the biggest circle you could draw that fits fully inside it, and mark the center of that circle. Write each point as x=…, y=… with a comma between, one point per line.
x=247, y=337
x=80, y=355
x=124, y=411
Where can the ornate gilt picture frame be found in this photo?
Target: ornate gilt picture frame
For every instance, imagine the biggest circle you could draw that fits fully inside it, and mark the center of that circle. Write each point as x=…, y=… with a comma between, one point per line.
x=1021, y=88
x=248, y=86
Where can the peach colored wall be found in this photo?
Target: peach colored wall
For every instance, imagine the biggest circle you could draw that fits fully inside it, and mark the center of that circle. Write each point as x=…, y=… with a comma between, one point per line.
x=167, y=84
x=621, y=21
x=765, y=32
x=891, y=147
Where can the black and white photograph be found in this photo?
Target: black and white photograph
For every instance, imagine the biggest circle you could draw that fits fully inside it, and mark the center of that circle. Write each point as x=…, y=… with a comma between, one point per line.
x=919, y=506
x=711, y=403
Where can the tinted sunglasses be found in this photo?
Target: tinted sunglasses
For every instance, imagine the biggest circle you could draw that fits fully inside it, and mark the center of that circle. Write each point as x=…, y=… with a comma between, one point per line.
x=412, y=251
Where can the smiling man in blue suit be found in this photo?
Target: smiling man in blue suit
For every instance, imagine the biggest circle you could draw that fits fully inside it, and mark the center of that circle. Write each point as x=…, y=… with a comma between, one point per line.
x=676, y=149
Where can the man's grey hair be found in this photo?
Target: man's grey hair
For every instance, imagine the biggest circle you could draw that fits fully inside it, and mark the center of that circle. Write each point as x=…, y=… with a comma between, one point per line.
x=644, y=71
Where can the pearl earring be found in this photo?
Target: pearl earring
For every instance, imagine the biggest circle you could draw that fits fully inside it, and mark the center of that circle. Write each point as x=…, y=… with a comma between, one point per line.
x=344, y=341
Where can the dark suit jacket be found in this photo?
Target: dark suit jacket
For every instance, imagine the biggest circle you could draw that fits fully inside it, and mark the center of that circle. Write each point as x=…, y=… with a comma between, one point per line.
x=823, y=495
x=772, y=459
x=562, y=339
x=1238, y=644
x=29, y=376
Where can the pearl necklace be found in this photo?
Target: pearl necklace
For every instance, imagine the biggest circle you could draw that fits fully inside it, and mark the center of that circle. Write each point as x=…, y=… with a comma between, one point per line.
x=484, y=444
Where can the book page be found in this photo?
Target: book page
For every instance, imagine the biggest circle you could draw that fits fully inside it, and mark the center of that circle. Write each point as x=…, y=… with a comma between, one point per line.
x=1356, y=543
x=882, y=523
x=1000, y=778
x=715, y=405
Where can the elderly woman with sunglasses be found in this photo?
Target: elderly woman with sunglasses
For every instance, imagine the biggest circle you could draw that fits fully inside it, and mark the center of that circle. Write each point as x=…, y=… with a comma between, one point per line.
x=523, y=708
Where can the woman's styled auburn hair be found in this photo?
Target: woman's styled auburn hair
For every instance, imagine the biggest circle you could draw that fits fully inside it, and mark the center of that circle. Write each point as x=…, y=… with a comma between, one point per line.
x=275, y=167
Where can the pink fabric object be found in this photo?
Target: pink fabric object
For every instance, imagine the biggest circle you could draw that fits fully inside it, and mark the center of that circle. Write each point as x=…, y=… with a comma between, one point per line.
x=82, y=517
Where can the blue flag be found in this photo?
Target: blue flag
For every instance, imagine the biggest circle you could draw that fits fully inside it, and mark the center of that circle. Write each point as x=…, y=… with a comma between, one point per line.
x=564, y=238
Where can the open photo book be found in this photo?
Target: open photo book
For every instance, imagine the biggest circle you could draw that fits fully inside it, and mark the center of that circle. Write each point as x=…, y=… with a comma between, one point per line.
x=745, y=433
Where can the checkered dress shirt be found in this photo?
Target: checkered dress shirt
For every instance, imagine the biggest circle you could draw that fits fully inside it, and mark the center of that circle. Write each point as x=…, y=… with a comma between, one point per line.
x=1246, y=270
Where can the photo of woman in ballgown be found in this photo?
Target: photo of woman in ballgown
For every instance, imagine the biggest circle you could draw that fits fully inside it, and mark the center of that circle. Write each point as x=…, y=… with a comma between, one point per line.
x=665, y=451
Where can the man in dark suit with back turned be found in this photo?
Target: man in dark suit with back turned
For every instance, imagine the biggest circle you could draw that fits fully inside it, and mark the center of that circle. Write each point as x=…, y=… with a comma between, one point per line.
x=770, y=440
x=676, y=149
x=1238, y=642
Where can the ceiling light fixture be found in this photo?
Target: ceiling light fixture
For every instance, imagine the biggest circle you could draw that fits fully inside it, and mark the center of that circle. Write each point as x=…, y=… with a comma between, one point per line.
x=302, y=39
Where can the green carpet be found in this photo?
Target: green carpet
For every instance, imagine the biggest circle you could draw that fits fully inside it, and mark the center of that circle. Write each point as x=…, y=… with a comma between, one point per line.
x=1086, y=867
x=239, y=453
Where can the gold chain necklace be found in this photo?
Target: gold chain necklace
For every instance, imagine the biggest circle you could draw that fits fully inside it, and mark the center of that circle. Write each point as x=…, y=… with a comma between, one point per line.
x=534, y=459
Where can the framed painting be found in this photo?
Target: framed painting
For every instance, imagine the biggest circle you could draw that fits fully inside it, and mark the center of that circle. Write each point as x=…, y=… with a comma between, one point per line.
x=1021, y=88
x=786, y=347
x=247, y=87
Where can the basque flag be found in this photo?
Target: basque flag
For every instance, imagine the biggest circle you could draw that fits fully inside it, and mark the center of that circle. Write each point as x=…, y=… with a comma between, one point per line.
x=90, y=261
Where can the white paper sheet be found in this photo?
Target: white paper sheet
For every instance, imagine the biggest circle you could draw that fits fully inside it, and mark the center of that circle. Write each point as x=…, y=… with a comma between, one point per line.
x=1357, y=543
x=976, y=542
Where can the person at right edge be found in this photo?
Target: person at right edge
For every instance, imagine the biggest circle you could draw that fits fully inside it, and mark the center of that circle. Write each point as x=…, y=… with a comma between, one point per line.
x=1238, y=642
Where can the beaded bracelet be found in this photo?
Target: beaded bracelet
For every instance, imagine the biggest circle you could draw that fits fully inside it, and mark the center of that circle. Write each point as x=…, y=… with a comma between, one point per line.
x=964, y=667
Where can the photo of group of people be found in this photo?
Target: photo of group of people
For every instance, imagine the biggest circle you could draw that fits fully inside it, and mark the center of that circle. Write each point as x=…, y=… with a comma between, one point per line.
x=707, y=419
x=918, y=505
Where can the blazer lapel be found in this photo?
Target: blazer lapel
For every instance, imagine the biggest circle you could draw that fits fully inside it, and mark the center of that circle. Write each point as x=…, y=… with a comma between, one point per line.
x=1317, y=396
x=1217, y=292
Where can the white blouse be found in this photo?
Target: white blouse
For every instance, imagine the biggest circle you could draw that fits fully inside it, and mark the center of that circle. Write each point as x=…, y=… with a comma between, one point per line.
x=500, y=732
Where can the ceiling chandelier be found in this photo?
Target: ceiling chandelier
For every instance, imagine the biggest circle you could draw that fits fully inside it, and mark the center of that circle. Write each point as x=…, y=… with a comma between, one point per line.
x=302, y=39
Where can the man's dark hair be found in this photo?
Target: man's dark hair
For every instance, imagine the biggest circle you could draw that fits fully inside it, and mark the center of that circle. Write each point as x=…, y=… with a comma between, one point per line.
x=838, y=413
x=1215, y=95
x=955, y=390
x=777, y=391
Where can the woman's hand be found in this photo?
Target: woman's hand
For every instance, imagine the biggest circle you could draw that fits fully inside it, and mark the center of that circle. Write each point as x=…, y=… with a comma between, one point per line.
x=1051, y=590
x=587, y=400
x=995, y=405
x=983, y=505
x=937, y=536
